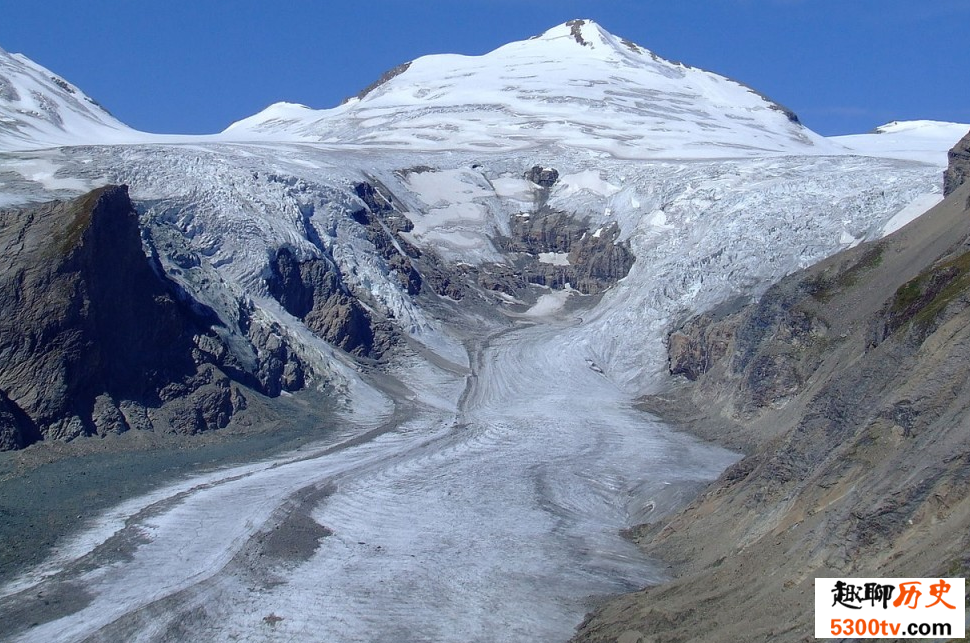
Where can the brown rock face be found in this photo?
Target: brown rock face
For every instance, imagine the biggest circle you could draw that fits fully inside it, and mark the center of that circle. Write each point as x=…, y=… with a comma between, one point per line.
x=595, y=260
x=958, y=168
x=693, y=349
x=544, y=177
x=94, y=340
x=313, y=291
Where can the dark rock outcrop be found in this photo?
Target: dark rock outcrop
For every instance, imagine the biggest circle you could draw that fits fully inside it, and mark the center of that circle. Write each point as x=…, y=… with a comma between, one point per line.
x=94, y=339
x=384, y=78
x=380, y=204
x=545, y=230
x=312, y=290
x=545, y=177
x=250, y=348
x=598, y=260
x=589, y=261
x=958, y=166
x=16, y=429
x=278, y=367
x=385, y=222
x=576, y=30
x=698, y=344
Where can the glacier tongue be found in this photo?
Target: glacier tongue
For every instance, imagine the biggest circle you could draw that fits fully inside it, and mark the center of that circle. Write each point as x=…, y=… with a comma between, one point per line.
x=701, y=231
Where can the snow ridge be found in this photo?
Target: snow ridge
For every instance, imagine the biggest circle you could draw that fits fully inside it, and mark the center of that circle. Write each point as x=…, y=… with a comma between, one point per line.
x=40, y=109
x=575, y=86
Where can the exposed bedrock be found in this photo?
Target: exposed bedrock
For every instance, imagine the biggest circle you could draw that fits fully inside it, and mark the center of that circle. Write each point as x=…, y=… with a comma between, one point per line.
x=414, y=269
x=545, y=177
x=958, y=166
x=553, y=248
x=312, y=290
x=94, y=339
x=546, y=247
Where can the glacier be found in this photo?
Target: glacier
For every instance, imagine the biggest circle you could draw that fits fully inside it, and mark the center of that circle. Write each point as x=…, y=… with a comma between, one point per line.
x=477, y=485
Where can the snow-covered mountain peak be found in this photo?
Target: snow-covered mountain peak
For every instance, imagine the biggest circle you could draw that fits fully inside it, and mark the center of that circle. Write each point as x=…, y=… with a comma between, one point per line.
x=583, y=32
x=40, y=109
x=576, y=85
x=592, y=40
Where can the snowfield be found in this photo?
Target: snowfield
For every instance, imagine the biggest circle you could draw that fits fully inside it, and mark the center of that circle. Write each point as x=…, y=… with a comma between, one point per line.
x=576, y=86
x=907, y=140
x=484, y=500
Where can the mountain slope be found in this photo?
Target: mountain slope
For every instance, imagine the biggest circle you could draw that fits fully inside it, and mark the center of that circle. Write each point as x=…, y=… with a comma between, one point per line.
x=575, y=85
x=96, y=341
x=40, y=109
x=848, y=385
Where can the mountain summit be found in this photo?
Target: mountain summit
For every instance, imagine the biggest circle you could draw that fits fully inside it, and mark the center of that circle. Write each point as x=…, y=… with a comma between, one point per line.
x=588, y=33
x=576, y=85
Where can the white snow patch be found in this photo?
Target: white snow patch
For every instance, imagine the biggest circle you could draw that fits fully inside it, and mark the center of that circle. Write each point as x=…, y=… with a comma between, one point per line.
x=911, y=212
x=555, y=258
x=447, y=186
x=513, y=188
x=923, y=141
x=847, y=239
x=549, y=303
x=590, y=180
x=657, y=218
x=453, y=214
x=44, y=170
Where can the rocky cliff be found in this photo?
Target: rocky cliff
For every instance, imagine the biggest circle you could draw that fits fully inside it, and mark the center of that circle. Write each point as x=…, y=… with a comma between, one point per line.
x=555, y=248
x=848, y=386
x=313, y=291
x=544, y=246
x=958, y=168
x=94, y=339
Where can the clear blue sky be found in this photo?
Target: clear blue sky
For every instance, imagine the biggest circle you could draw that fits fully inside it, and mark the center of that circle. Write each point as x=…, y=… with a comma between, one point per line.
x=845, y=66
